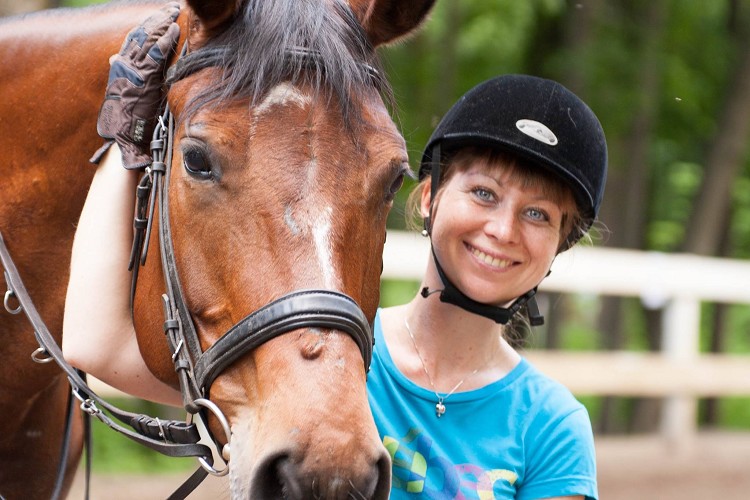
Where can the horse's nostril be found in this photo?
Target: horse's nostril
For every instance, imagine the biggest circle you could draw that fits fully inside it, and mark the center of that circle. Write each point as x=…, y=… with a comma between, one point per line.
x=382, y=490
x=280, y=477
x=275, y=479
x=288, y=478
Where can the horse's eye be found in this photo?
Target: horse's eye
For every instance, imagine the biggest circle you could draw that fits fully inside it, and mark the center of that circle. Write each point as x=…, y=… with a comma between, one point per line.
x=197, y=164
x=395, y=186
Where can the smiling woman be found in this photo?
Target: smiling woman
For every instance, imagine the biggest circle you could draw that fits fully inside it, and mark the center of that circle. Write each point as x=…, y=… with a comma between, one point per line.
x=512, y=176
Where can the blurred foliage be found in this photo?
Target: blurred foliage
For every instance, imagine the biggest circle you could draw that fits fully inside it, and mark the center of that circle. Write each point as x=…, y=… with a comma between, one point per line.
x=395, y=292
x=692, y=50
x=467, y=42
x=735, y=413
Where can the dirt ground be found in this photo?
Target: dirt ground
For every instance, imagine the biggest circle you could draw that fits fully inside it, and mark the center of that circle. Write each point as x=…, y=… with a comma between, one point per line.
x=713, y=467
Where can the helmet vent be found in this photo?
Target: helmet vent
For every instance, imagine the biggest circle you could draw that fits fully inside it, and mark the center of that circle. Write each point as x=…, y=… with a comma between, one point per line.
x=538, y=131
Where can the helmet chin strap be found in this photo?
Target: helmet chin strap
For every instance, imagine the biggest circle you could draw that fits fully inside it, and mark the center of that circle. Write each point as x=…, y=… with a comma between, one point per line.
x=452, y=295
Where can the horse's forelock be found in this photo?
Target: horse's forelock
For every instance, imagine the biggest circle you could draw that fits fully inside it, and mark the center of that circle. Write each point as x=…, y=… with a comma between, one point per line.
x=262, y=41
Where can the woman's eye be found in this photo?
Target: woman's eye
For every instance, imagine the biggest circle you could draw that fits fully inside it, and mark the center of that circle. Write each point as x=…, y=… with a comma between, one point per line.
x=483, y=194
x=197, y=164
x=538, y=215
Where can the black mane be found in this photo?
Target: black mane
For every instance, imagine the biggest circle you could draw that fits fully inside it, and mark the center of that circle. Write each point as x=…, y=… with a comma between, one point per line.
x=273, y=41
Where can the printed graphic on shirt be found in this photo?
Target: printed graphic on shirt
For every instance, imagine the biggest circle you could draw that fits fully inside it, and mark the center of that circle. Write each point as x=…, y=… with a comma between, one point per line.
x=417, y=469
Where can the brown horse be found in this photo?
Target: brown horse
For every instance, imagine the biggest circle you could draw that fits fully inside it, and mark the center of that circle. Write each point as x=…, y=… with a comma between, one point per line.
x=285, y=162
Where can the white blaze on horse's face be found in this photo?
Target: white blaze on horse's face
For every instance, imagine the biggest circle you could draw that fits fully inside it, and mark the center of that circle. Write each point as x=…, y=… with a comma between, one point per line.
x=283, y=94
x=317, y=220
x=321, y=232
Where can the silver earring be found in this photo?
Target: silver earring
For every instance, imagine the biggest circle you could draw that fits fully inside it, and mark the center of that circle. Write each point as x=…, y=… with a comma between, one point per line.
x=425, y=233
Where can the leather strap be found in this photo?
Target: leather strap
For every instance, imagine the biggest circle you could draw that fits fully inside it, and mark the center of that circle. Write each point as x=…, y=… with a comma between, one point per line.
x=301, y=309
x=64, y=449
x=181, y=440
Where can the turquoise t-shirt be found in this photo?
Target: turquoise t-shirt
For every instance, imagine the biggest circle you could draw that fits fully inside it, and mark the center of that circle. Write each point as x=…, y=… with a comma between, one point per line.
x=522, y=437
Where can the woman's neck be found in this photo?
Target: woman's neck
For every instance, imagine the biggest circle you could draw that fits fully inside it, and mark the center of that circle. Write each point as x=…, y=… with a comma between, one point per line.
x=454, y=345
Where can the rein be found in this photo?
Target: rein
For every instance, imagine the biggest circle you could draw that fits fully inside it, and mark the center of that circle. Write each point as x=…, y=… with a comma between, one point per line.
x=171, y=438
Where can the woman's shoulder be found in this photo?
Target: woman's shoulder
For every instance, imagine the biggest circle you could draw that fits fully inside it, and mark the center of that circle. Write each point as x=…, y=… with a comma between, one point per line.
x=545, y=394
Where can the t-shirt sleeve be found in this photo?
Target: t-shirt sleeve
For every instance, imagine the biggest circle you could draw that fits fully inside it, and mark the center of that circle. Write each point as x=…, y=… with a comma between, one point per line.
x=560, y=459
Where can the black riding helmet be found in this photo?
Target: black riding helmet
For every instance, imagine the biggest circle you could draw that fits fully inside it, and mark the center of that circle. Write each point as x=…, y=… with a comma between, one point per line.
x=540, y=121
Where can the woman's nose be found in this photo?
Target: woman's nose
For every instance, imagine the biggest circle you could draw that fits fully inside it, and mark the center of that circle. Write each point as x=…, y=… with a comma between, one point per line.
x=503, y=225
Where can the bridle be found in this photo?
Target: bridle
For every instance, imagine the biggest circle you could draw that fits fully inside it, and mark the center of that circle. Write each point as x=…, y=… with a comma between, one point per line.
x=196, y=369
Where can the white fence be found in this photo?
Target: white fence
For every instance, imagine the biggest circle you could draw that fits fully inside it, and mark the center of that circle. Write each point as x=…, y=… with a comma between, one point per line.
x=677, y=283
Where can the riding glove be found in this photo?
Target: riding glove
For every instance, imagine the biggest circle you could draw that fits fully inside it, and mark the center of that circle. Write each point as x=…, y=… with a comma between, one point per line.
x=134, y=90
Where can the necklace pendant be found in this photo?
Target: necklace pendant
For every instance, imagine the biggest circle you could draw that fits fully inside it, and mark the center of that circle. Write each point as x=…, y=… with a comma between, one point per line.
x=439, y=409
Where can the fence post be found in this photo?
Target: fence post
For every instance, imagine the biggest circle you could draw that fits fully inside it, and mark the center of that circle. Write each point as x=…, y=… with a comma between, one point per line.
x=681, y=342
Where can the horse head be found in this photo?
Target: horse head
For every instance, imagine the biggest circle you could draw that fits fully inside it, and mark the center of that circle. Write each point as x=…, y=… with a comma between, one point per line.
x=283, y=167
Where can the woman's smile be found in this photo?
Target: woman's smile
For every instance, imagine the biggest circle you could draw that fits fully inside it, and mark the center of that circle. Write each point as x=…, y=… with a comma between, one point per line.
x=496, y=262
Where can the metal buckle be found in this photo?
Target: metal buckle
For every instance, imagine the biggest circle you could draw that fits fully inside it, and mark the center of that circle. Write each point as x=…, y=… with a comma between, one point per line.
x=87, y=404
x=177, y=350
x=37, y=356
x=209, y=405
x=6, y=301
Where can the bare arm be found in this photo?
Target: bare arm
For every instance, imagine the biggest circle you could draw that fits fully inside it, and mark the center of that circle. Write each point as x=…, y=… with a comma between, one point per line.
x=98, y=333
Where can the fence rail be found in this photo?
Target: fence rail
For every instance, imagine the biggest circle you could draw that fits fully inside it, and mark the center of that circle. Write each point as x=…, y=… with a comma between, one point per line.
x=676, y=283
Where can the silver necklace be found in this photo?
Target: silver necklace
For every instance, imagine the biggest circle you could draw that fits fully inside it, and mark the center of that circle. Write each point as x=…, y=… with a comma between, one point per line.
x=440, y=405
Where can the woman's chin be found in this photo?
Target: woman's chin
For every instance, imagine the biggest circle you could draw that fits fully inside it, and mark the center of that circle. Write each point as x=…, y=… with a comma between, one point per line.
x=491, y=299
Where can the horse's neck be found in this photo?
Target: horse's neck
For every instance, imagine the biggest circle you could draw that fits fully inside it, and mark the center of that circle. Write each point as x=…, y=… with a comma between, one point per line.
x=55, y=67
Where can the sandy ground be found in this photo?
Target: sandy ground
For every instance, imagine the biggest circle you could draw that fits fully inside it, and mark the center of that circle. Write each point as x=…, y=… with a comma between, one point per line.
x=713, y=467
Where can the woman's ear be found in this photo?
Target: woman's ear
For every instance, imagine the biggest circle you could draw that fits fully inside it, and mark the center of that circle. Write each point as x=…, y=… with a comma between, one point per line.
x=425, y=198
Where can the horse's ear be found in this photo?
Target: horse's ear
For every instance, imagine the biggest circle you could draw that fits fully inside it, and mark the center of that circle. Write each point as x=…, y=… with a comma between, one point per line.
x=388, y=20
x=209, y=17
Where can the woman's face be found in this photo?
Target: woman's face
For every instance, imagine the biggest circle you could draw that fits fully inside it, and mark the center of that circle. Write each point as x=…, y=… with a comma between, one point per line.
x=494, y=237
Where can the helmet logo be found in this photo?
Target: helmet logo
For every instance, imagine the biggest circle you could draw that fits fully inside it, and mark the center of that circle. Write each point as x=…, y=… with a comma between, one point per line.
x=538, y=131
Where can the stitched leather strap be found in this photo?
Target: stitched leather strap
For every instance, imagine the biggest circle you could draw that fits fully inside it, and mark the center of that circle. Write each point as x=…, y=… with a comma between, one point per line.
x=181, y=440
x=301, y=309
